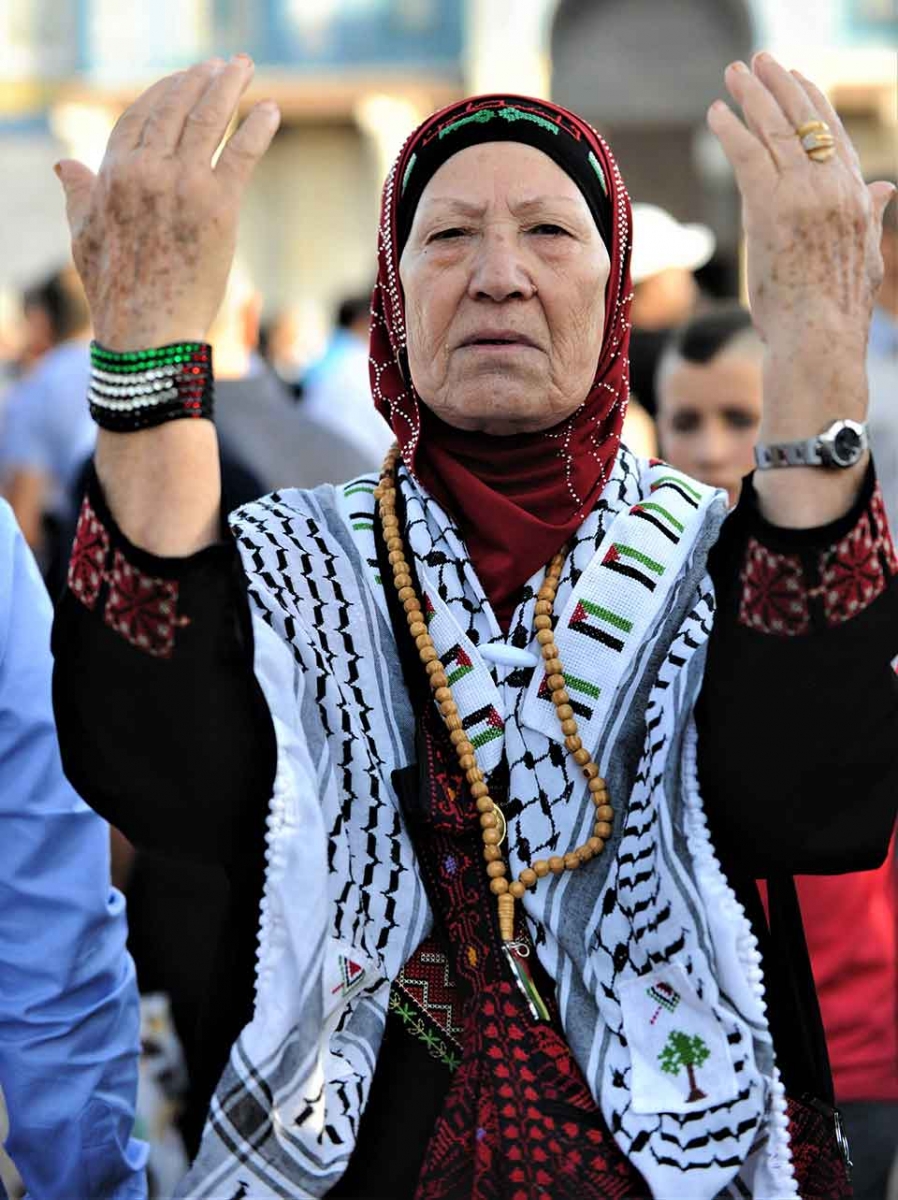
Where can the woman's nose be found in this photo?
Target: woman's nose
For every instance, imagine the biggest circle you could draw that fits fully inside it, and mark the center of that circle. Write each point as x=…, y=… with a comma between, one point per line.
x=499, y=270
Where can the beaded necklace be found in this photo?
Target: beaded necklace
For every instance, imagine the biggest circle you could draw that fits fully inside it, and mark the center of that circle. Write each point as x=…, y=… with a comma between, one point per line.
x=492, y=819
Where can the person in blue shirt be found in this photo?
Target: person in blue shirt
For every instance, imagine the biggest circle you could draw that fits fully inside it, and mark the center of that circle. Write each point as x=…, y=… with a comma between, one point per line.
x=69, y=1015
x=46, y=433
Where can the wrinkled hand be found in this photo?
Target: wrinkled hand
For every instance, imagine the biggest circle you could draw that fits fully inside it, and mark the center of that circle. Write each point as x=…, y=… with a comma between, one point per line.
x=813, y=229
x=153, y=233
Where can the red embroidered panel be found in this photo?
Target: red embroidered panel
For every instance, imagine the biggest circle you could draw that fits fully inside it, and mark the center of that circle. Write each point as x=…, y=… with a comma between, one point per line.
x=818, y=1164
x=883, y=532
x=851, y=574
x=427, y=979
x=774, y=596
x=519, y=1122
x=89, y=553
x=142, y=608
x=856, y=570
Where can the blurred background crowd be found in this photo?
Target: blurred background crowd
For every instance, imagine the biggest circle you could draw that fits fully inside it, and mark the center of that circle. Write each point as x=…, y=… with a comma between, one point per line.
x=293, y=405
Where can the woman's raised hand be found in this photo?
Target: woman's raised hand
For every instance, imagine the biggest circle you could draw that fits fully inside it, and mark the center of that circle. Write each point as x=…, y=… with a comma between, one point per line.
x=813, y=227
x=153, y=233
x=813, y=231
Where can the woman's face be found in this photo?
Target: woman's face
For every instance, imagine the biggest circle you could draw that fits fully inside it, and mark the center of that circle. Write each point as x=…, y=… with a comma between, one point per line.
x=504, y=277
x=708, y=417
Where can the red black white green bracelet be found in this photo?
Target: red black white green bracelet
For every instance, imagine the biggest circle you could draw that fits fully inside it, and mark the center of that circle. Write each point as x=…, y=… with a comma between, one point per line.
x=138, y=389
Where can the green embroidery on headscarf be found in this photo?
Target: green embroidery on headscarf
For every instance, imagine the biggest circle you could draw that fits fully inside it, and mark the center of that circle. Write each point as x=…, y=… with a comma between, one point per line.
x=408, y=170
x=597, y=167
x=507, y=114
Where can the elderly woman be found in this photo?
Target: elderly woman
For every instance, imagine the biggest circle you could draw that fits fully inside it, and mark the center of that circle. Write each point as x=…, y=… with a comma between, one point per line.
x=493, y=747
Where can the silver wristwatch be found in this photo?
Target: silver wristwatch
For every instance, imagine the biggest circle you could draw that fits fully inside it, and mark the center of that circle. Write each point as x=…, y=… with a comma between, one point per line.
x=841, y=444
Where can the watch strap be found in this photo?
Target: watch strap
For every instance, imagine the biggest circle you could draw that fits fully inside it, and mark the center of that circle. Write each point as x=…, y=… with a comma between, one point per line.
x=827, y=449
x=790, y=454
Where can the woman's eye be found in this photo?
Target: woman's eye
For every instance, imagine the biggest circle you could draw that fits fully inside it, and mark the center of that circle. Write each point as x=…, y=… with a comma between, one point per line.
x=548, y=229
x=443, y=235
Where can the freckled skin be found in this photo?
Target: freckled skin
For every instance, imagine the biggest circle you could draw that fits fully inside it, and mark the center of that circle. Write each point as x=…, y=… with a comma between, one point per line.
x=153, y=235
x=525, y=256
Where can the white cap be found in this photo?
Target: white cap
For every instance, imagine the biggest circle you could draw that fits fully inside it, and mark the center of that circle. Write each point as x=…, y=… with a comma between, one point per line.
x=661, y=242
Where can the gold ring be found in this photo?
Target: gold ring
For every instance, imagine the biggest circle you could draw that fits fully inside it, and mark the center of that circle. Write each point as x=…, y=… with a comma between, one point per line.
x=816, y=140
x=813, y=127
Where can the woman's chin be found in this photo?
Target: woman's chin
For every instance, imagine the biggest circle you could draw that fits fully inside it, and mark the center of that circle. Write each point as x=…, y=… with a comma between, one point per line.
x=502, y=415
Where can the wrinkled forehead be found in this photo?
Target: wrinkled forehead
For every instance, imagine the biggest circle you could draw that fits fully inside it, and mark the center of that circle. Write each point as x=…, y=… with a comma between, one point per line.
x=521, y=123
x=499, y=175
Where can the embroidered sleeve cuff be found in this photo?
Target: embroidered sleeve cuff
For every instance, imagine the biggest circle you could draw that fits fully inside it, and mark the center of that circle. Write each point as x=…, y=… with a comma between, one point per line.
x=137, y=594
x=795, y=581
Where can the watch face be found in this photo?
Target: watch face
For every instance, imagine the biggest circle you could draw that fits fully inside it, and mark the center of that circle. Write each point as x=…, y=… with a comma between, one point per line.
x=847, y=446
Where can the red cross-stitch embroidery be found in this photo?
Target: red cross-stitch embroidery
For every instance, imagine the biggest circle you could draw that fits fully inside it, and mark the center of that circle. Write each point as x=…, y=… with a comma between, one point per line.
x=852, y=573
x=774, y=597
x=819, y=1167
x=519, y=1122
x=883, y=533
x=89, y=553
x=856, y=570
x=142, y=608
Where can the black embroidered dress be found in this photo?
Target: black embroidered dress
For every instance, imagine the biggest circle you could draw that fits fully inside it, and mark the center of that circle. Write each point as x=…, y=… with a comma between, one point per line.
x=164, y=730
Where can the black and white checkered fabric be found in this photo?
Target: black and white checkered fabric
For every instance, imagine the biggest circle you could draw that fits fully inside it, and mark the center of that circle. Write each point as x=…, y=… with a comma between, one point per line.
x=688, y=1087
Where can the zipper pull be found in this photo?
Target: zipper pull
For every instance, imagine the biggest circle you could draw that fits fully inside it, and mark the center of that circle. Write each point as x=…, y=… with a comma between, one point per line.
x=516, y=955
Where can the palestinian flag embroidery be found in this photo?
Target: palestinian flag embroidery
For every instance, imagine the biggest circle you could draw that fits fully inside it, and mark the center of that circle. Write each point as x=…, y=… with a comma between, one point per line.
x=351, y=974
x=572, y=684
x=361, y=522
x=457, y=663
x=665, y=997
x=626, y=560
x=657, y=515
x=597, y=622
x=483, y=726
x=690, y=494
x=360, y=487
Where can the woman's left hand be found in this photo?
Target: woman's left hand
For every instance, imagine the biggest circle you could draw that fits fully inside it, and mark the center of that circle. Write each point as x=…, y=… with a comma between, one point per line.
x=813, y=232
x=813, y=228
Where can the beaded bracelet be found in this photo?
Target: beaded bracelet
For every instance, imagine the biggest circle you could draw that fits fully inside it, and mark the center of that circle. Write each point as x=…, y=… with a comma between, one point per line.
x=138, y=389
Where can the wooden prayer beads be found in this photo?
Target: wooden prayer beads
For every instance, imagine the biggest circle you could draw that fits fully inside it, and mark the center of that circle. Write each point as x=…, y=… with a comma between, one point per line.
x=492, y=819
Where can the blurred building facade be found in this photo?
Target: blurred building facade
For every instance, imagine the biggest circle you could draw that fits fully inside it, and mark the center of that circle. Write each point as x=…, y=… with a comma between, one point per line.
x=353, y=76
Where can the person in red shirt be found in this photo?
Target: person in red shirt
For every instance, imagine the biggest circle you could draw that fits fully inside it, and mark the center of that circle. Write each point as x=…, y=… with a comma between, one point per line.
x=709, y=407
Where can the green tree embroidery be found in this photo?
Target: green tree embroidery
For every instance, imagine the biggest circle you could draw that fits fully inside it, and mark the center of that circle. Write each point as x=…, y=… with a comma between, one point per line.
x=680, y=1051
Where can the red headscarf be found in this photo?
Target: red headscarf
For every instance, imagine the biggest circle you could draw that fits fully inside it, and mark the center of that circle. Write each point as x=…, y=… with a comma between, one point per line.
x=516, y=499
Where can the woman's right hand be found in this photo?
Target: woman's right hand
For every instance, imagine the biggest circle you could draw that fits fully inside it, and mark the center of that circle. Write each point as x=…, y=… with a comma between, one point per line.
x=153, y=233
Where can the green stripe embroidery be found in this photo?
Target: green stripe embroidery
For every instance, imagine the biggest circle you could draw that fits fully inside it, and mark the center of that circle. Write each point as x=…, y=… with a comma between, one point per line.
x=640, y=557
x=421, y=1029
x=457, y=674
x=693, y=492
x=507, y=114
x=359, y=487
x=408, y=170
x=653, y=507
x=597, y=167
x=481, y=739
x=605, y=614
x=582, y=685
x=363, y=526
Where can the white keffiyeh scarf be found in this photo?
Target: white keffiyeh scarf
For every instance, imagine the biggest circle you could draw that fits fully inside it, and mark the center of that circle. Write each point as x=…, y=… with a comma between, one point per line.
x=656, y=969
